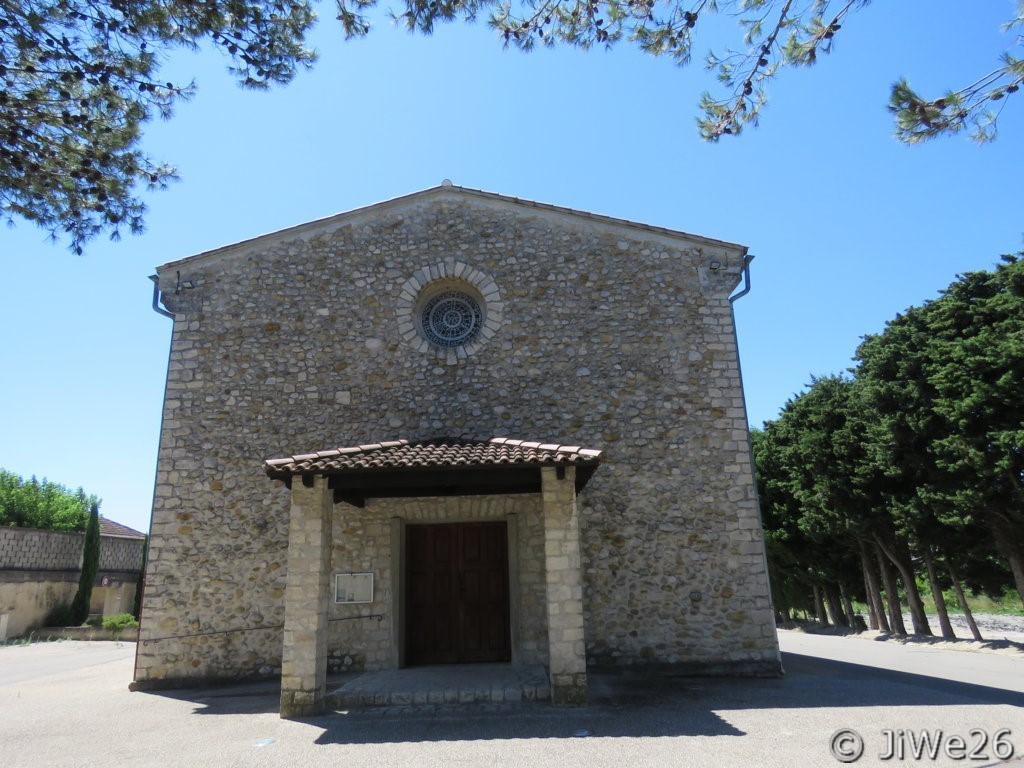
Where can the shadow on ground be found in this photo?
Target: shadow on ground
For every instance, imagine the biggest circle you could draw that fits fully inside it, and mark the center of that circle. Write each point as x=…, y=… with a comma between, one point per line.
x=943, y=642
x=623, y=703
x=957, y=643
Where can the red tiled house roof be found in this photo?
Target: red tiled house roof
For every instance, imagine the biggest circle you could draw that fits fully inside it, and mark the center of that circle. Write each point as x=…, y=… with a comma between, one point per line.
x=110, y=528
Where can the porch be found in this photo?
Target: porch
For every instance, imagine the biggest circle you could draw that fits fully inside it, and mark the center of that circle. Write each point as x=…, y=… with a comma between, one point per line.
x=456, y=602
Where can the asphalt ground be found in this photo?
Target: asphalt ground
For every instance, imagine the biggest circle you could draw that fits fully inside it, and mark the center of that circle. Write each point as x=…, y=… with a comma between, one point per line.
x=68, y=704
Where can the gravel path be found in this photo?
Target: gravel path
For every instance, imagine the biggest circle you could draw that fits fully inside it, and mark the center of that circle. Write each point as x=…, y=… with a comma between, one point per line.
x=993, y=626
x=1001, y=633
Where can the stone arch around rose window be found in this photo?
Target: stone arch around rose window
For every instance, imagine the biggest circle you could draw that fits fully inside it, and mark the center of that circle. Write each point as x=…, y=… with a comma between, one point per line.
x=465, y=287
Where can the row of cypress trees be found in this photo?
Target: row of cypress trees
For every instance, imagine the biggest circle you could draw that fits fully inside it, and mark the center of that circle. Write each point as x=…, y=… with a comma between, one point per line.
x=907, y=472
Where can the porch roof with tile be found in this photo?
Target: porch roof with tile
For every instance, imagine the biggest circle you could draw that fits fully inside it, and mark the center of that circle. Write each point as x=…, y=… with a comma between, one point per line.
x=437, y=466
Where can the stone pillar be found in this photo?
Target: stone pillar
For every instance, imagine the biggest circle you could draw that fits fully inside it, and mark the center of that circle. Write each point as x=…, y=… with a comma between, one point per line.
x=567, y=660
x=306, y=595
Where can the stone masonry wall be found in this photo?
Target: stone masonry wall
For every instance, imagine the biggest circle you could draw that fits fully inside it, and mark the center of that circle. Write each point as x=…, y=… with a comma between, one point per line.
x=30, y=548
x=118, y=554
x=34, y=549
x=611, y=336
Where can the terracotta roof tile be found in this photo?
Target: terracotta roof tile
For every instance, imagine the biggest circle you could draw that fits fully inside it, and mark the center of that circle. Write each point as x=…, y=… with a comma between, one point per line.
x=432, y=454
x=110, y=528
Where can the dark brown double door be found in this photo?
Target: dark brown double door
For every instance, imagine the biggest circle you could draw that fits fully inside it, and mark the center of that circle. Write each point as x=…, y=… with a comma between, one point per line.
x=457, y=604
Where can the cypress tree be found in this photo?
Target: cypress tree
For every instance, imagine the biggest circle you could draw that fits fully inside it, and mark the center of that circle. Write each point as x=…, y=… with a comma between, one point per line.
x=90, y=566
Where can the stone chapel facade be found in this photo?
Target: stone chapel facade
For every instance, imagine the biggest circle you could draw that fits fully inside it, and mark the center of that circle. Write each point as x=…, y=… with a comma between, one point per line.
x=454, y=427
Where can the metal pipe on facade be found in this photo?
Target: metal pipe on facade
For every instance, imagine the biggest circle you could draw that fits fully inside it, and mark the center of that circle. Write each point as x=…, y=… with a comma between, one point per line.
x=156, y=298
x=746, y=278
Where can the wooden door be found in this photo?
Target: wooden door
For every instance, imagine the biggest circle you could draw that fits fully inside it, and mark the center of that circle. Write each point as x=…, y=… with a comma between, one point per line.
x=456, y=593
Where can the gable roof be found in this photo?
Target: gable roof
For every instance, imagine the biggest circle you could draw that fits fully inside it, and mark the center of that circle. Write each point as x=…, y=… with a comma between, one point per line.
x=110, y=528
x=452, y=191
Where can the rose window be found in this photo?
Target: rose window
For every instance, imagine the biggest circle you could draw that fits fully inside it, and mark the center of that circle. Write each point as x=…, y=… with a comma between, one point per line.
x=451, y=319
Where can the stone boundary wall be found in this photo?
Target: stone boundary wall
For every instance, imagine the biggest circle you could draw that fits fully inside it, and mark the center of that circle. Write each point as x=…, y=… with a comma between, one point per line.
x=39, y=569
x=33, y=549
x=117, y=554
x=26, y=603
x=69, y=575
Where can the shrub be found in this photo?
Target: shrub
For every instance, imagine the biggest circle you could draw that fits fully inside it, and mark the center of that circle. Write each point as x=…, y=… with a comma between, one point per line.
x=119, y=622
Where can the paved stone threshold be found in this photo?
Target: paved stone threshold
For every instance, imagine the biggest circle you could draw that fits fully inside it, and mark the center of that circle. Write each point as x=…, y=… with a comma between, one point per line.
x=448, y=684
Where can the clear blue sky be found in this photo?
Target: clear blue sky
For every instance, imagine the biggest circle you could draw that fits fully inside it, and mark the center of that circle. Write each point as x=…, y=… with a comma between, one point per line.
x=848, y=226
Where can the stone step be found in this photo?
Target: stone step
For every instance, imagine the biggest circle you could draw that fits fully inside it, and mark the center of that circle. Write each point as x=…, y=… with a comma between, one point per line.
x=448, y=684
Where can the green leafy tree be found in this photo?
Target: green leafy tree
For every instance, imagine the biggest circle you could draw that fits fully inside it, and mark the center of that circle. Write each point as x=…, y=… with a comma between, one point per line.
x=808, y=466
x=776, y=34
x=36, y=503
x=785, y=544
x=90, y=567
x=977, y=370
x=78, y=79
x=893, y=377
x=916, y=461
x=897, y=372
x=946, y=380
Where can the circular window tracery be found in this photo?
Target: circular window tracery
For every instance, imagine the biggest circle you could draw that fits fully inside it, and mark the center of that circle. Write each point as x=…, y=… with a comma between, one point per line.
x=450, y=309
x=451, y=318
